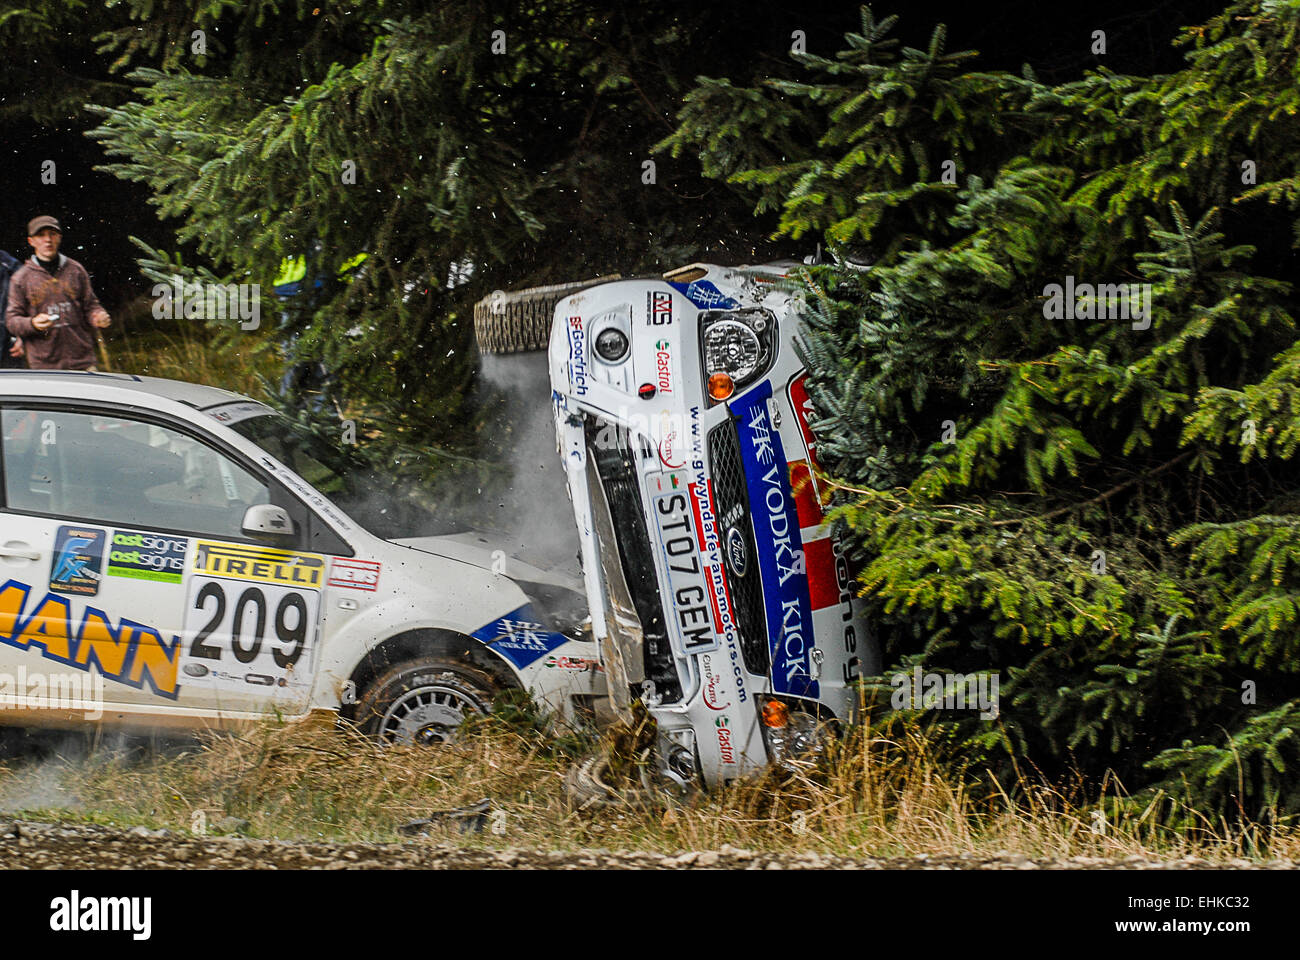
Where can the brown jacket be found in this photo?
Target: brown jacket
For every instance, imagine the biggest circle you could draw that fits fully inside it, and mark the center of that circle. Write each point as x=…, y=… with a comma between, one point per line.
x=70, y=343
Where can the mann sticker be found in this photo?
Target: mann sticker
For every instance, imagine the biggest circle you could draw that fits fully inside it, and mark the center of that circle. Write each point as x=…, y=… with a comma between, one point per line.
x=78, y=560
x=147, y=556
x=125, y=651
x=259, y=564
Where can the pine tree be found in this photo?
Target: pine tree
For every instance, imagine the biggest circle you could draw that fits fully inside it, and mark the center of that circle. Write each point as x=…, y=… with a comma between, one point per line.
x=462, y=148
x=1104, y=510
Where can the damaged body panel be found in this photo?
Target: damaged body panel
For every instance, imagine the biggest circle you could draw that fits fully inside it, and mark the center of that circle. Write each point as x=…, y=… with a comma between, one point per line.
x=687, y=396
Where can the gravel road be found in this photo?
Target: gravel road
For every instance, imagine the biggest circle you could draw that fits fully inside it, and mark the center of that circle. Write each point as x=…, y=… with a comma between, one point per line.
x=26, y=844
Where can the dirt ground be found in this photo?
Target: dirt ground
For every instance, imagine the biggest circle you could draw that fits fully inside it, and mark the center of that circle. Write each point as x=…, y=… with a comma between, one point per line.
x=30, y=845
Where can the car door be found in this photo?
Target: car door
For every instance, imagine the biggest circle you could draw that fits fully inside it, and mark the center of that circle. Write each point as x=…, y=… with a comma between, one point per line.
x=61, y=606
x=122, y=547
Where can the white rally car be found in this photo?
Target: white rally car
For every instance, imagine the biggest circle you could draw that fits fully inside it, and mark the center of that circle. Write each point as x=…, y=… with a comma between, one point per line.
x=717, y=591
x=204, y=562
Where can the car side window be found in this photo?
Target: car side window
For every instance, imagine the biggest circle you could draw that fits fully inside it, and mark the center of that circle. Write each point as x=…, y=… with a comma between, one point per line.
x=124, y=472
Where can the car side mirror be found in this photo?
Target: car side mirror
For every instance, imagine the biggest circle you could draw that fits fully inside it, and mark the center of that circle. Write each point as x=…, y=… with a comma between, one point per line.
x=266, y=519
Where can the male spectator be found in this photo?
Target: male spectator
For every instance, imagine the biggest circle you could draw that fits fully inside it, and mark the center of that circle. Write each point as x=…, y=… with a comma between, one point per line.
x=11, y=348
x=52, y=306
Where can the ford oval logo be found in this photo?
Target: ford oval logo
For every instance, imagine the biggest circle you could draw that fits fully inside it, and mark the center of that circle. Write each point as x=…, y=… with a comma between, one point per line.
x=737, y=552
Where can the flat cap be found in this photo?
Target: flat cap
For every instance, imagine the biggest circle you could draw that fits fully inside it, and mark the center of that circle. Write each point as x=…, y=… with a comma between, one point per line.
x=38, y=223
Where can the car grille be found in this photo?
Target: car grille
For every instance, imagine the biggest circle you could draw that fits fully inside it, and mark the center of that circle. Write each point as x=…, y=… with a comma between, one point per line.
x=732, y=503
x=615, y=465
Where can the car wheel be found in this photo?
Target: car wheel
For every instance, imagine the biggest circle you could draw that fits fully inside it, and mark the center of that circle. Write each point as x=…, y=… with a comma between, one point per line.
x=585, y=786
x=520, y=321
x=424, y=701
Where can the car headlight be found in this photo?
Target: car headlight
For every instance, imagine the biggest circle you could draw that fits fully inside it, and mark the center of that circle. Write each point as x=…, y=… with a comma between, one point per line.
x=611, y=345
x=736, y=346
x=731, y=347
x=791, y=732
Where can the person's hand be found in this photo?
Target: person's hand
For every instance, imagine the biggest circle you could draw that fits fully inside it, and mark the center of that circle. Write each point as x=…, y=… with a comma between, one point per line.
x=42, y=322
x=101, y=319
x=16, y=348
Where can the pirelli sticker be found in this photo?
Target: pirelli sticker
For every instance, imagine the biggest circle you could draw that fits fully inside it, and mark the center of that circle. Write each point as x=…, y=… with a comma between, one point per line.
x=259, y=564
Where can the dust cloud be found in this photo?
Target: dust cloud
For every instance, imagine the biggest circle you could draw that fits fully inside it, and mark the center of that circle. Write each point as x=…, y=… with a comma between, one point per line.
x=532, y=511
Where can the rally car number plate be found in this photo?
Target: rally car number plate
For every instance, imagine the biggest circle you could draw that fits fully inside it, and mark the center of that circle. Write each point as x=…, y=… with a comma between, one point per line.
x=689, y=598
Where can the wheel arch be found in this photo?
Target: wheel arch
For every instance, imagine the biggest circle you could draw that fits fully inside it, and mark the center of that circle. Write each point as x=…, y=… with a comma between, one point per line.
x=427, y=642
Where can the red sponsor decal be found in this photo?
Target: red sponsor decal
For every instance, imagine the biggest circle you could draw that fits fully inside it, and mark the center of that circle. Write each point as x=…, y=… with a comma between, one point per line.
x=572, y=663
x=724, y=740
x=823, y=585
x=668, y=452
x=356, y=574
x=694, y=489
x=664, y=367
x=807, y=498
x=717, y=579
x=659, y=308
x=711, y=683
x=802, y=407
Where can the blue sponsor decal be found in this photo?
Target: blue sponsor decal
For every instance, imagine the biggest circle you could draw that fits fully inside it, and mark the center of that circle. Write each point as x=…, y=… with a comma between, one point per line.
x=520, y=637
x=78, y=560
x=786, y=598
x=705, y=295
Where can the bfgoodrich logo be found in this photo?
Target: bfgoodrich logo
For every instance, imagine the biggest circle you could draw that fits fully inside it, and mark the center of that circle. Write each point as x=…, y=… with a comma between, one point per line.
x=75, y=913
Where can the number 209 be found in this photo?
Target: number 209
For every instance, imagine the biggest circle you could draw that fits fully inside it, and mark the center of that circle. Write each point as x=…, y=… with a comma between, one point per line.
x=294, y=638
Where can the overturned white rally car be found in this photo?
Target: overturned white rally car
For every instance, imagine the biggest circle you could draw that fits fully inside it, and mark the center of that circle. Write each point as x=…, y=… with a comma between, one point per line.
x=716, y=591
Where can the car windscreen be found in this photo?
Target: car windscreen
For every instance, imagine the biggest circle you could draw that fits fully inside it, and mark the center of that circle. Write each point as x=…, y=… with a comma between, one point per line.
x=387, y=506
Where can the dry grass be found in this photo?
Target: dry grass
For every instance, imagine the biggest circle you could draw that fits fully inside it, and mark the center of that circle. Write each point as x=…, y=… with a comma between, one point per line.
x=186, y=350
x=871, y=796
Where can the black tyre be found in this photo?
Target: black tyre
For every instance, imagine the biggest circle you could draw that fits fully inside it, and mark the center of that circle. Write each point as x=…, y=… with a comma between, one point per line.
x=585, y=786
x=423, y=701
x=520, y=321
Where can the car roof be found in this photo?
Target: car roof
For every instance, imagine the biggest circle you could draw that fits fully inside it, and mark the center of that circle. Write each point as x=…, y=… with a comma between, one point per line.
x=74, y=384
